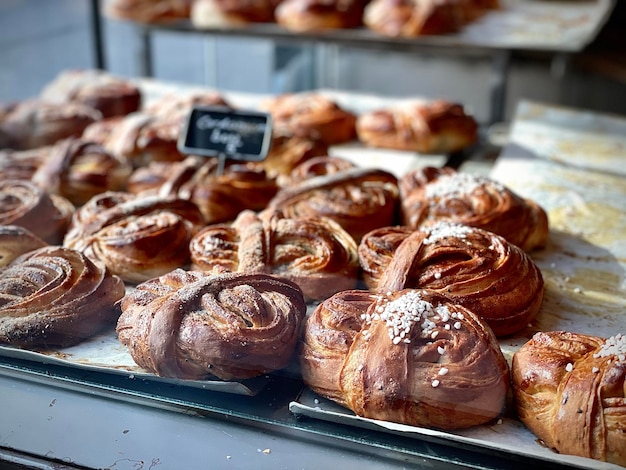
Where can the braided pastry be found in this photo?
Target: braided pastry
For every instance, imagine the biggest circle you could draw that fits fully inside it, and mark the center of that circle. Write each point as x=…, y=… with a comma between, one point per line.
x=55, y=296
x=410, y=357
x=358, y=199
x=314, y=252
x=78, y=170
x=475, y=268
x=570, y=391
x=15, y=241
x=190, y=325
x=25, y=204
x=137, y=238
x=311, y=115
x=425, y=127
x=431, y=194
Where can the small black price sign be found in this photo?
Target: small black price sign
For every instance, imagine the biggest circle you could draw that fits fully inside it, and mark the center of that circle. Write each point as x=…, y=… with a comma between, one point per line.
x=226, y=133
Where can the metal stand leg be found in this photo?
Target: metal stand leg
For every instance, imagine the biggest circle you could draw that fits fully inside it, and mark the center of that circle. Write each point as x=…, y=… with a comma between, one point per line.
x=97, y=35
x=145, y=52
x=500, y=73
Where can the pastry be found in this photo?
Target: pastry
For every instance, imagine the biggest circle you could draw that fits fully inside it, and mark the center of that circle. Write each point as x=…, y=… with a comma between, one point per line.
x=317, y=166
x=148, y=11
x=78, y=170
x=473, y=267
x=242, y=185
x=36, y=123
x=193, y=325
x=313, y=252
x=311, y=115
x=137, y=238
x=111, y=95
x=22, y=164
x=54, y=296
x=25, y=204
x=431, y=194
x=221, y=13
x=425, y=127
x=412, y=18
x=319, y=15
x=358, y=199
x=15, y=241
x=568, y=389
x=409, y=357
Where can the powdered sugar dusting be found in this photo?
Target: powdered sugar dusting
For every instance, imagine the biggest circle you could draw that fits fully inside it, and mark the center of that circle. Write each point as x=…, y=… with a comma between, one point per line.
x=613, y=346
x=458, y=185
x=446, y=230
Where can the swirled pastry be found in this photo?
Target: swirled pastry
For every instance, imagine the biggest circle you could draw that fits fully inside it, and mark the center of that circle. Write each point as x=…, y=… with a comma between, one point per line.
x=15, y=241
x=191, y=325
x=311, y=115
x=137, y=238
x=55, y=296
x=36, y=123
x=431, y=194
x=319, y=15
x=22, y=164
x=317, y=166
x=111, y=95
x=426, y=127
x=409, y=357
x=475, y=268
x=314, y=252
x=78, y=170
x=358, y=199
x=569, y=390
x=25, y=204
x=412, y=18
x=220, y=197
x=148, y=11
x=287, y=152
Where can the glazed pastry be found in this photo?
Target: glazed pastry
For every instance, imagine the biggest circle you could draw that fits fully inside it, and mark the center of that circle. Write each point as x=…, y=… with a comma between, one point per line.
x=318, y=166
x=409, y=357
x=220, y=197
x=430, y=195
x=475, y=268
x=358, y=199
x=193, y=325
x=36, y=123
x=412, y=18
x=177, y=106
x=78, y=170
x=25, y=204
x=220, y=13
x=111, y=95
x=319, y=15
x=425, y=127
x=99, y=131
x=569, y=391
x=148, y=11
x=137, y=238
x=55, y=296
x=22, y=164
x=15, y=241
x=314, y=252
x=311, y=115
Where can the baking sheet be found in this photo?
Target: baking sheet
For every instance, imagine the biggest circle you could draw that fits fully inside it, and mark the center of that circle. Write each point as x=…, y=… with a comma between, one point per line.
x=555, y=25
x=584, y=268
x=105, y=353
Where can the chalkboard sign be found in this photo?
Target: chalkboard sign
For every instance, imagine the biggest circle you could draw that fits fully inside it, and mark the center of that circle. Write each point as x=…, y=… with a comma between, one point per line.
x=219, y=131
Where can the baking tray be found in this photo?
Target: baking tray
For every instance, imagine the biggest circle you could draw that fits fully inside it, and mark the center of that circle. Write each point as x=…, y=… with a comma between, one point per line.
x=584, y=268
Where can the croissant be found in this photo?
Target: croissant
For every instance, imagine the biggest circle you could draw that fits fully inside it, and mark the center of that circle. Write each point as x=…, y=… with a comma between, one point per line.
x=311, y=115
x=475, y=268
x=55, y=296
x=190, y=325
x=410, y=357
x=425, y=127
x=35, y=123
x=137, y=238
x=313, y=252
x=25, y=204
x=78, y=170
x=570, y=391
x=411, y=18
x=358, y=199
x=15, y=241
x=111, y=95
x=431, y=194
